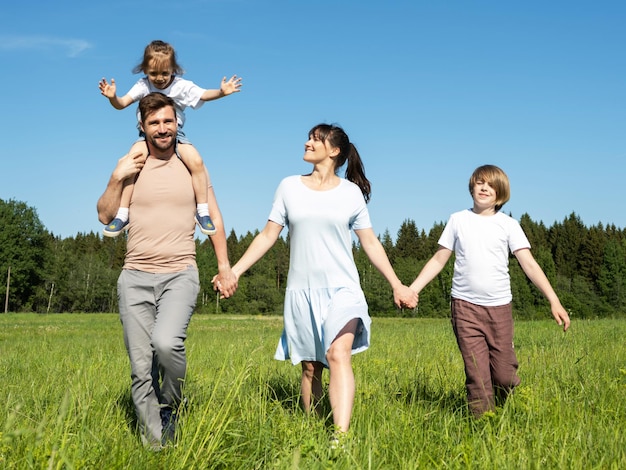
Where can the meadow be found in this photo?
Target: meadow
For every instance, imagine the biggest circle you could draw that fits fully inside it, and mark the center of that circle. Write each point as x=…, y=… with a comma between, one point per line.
x=65, y=382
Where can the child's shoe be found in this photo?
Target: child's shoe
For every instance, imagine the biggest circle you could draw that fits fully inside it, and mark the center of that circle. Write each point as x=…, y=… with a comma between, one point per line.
x=206, y=224
x=116, y=227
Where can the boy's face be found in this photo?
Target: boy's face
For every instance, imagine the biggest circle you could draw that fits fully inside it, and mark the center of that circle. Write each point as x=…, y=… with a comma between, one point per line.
x=484, y=196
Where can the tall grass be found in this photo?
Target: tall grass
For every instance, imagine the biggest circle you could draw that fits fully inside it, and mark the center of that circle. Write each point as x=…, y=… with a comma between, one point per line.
x=65, y=384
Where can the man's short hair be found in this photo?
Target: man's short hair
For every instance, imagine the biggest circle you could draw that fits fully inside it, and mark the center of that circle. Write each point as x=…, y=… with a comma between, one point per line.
x=153, y=102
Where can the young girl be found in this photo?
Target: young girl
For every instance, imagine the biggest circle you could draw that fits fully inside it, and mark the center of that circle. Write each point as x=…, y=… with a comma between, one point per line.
x=326, y=318
x=482, y=320
x=163, y=73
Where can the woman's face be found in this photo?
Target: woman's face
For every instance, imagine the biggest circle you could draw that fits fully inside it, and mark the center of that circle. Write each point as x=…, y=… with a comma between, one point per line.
x=316, y=151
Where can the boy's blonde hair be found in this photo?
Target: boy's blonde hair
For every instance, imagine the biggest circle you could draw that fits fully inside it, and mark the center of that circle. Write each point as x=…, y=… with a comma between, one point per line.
x=496, y=178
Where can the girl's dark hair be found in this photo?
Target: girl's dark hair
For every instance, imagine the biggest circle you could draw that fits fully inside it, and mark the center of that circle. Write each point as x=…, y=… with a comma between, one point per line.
x=159, y=54
x=337, y=138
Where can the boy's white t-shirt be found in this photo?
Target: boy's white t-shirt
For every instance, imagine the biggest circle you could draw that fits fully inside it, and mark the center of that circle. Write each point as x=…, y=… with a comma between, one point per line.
x=482, y=245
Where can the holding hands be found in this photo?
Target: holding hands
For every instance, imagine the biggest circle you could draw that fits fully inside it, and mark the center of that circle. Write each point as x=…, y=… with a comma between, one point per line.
x=226, y=283
x=404, y=297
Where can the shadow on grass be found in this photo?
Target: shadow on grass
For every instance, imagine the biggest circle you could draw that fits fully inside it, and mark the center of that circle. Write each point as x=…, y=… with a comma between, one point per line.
x=432, y=396
x=124, y=403
x=287, y=394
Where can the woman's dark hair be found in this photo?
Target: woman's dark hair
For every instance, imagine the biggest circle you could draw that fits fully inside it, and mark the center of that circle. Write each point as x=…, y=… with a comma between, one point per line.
x=336, y=137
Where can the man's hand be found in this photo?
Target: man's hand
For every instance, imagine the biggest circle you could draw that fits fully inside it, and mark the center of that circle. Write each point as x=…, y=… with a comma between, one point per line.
x=226, y=283
x=129, y=165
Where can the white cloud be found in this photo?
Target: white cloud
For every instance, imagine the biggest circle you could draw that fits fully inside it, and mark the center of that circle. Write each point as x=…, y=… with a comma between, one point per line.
x=71, y=47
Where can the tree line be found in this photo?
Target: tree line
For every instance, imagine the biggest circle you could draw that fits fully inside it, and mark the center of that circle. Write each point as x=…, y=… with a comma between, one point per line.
x=49, y=274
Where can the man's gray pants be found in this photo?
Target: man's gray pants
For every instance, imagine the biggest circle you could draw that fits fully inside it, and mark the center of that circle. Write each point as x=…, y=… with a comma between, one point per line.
x=155, y=310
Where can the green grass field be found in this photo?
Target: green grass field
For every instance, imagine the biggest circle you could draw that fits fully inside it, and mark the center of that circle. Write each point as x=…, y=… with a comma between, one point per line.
x=65, y=383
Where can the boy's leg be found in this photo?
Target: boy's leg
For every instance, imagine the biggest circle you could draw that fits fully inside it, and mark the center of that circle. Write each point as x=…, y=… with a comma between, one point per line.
x=502, y=354
x=469, y=323
x=200, y=181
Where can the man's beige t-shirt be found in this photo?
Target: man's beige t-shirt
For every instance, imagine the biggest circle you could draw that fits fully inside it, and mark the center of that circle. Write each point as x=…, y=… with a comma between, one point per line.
x=162, y=218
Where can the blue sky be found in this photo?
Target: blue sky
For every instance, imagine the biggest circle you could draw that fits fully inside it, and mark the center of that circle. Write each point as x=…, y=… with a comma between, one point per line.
x=427, y=91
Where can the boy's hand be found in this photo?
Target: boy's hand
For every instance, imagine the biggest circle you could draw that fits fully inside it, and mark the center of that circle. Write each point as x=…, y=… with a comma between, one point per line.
x=561, y=316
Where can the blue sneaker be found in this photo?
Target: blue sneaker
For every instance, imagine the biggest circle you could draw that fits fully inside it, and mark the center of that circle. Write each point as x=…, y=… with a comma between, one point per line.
x=206, y=224
x=168, y=423
x=114, y=228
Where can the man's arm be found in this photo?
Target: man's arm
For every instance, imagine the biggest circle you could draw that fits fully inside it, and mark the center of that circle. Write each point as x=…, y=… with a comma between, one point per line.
x=227, y=279
x=127, y=166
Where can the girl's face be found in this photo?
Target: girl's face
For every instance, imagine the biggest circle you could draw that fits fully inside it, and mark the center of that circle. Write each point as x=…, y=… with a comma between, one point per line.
x=159, y=77
x=484, y=196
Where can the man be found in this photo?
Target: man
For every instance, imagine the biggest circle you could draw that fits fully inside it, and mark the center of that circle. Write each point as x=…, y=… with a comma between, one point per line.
x=159, y=283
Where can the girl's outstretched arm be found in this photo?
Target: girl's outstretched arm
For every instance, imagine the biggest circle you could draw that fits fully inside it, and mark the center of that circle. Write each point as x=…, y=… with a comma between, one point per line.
x=109, y=90
x=227, y=87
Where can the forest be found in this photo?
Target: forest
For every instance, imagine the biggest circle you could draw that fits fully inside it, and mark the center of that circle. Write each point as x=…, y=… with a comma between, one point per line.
x=45, y=273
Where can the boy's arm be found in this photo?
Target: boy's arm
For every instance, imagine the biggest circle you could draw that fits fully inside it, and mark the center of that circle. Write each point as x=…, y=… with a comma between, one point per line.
x=109, y=90
x=127, y=166
x=537, y=276
x=432, y=267
x=227, y=87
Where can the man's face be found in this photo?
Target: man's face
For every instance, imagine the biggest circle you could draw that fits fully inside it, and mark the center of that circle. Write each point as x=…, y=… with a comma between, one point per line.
x=160, y=128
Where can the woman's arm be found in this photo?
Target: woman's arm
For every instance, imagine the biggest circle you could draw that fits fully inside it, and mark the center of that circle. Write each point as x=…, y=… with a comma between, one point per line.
x=402, y=295
x=259, y=246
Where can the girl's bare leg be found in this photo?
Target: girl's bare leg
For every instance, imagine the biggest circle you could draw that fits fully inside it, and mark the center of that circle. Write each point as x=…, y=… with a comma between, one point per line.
x=200, y=181
x=120, y=221
x=129, y=185
x=193, y=161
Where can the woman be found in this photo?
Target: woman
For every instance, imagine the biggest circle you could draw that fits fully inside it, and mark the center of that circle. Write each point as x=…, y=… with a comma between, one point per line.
x=325, y=313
